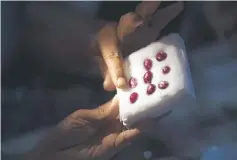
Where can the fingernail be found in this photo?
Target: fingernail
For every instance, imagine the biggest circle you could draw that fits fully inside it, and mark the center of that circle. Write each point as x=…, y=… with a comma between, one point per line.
x=121, y=82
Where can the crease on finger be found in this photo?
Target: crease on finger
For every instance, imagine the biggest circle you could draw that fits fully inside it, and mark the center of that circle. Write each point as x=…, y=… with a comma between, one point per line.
x=115, y=65
x=108, y=40
x=129, y=22
x=112, y=56
x=110, y=48
x=143, y=35
x=108, y=84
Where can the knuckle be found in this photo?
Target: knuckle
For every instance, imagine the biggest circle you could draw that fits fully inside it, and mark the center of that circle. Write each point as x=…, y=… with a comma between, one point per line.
x=119, y=70
x=112, y=55
x=102, y=113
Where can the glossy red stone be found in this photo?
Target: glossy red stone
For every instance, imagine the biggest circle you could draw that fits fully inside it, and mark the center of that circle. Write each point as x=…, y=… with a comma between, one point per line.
x=147, y=64
x=150, y=89
x=132, y=82
x=163, y=84
x=147, y=77
x=166, y=69
x=161, y=56
x=133, y=97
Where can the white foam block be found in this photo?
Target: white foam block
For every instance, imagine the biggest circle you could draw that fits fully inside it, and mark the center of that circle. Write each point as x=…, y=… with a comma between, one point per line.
x=179, y=90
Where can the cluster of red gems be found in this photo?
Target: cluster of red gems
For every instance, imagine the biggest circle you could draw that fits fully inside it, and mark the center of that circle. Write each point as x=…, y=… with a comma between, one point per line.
x=160, y=56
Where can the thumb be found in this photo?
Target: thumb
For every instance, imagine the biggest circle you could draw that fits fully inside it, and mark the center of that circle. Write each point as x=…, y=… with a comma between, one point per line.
x=122, y=140
x=110, y=49
x=108, y=83
x=128, y=136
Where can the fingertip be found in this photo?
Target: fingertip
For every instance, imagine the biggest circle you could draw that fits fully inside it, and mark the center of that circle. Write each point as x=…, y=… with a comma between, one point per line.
x=127, y=136
x=121, y=82
x=108, y=83
x=108, y=86
x=116, y=71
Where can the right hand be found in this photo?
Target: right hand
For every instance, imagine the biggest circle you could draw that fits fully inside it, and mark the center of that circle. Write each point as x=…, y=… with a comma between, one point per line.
x=113, y=41
x=95, y=134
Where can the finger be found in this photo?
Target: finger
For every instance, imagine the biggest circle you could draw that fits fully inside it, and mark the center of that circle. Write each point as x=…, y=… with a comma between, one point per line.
x=96, y=114
x=128, y=24
x=147, y=8
x=108, y=83
x=145, y=34
x=170, y=12
x=109, y=47
x=123, y=139
x=126, y=137
x=109, y=110
x=102, y=66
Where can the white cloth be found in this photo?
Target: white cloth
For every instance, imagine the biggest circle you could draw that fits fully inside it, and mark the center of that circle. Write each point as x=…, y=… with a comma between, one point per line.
x=180, y=90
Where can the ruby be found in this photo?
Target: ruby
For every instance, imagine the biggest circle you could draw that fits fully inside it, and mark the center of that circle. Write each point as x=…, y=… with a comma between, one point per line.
x=133, y=97
x=150, y=89
x=166, y=69
x=147, y=64
x=163, y=84
x=161, y=56
x=147, y=77
x=132, y=82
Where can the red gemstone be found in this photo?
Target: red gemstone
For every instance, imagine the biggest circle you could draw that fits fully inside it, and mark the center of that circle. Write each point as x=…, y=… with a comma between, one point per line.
x=132, y=82
x=147, y=64
x=161, y=56
x=163, y=84
x=133, y=97
x=166, y=69
x=150, y=89
x=147, y=77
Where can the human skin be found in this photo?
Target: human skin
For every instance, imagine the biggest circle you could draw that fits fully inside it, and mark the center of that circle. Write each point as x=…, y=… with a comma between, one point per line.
x=89, y=135
x=131, y=33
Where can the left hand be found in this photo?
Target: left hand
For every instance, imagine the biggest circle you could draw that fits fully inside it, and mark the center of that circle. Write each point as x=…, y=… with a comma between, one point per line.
x=116, y=40
x=88, y=134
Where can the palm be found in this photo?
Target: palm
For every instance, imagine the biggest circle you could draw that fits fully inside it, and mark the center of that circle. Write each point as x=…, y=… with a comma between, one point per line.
x=99, y=141
x=86, y=134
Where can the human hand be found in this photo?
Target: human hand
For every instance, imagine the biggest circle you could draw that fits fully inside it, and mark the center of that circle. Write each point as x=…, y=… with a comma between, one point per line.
x=117, y=40
x=88, y=134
